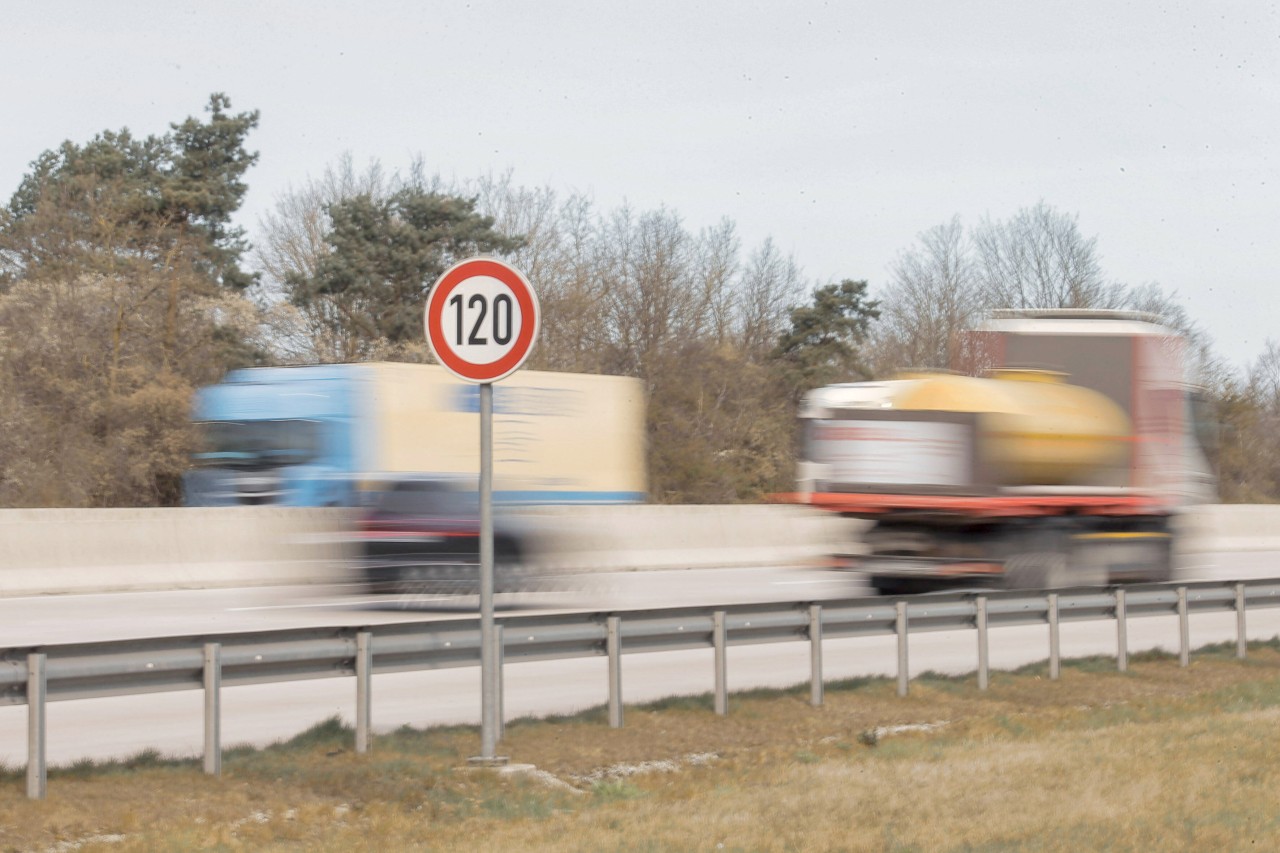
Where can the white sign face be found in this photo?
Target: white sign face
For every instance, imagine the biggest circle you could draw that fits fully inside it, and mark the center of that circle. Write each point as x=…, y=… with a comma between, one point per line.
x=481, y=320
x=892, y=452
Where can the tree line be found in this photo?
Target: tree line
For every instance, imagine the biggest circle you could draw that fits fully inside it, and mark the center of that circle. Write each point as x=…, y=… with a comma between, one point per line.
x=125, y=285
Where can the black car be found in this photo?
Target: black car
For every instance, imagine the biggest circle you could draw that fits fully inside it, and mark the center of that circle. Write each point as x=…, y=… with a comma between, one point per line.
x=423, y=537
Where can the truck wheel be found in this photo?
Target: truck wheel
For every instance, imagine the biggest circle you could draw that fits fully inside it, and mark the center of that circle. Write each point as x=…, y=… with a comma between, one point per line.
x=888, y=586
x=1036, y=570
x=1152, y=564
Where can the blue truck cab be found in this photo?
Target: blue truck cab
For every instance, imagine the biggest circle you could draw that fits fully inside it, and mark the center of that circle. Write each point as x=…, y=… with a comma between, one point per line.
x=280, y=435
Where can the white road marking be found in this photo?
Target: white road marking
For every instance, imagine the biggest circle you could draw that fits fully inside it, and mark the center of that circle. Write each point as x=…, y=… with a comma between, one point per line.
x=298, y=606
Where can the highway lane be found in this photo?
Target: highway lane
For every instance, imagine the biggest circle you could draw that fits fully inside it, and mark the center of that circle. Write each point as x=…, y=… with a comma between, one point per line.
x=261, y=714
x=32, y=620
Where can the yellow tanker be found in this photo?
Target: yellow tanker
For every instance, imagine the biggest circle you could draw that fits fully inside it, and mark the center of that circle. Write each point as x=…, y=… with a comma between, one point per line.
x=1035, y=428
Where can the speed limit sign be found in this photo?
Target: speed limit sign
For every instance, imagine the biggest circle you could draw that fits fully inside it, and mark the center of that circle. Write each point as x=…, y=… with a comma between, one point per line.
x=482, y=319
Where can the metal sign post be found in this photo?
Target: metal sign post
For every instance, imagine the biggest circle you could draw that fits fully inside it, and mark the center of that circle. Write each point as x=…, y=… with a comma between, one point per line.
x=482, y=319
x=488, y=652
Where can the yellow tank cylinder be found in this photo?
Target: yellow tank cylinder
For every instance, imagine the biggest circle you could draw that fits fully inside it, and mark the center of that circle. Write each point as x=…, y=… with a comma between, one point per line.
x=1035, y=429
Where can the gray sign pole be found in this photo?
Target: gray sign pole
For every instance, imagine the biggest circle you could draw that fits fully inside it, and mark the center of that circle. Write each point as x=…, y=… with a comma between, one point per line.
x=452, y=309
x=488, y=651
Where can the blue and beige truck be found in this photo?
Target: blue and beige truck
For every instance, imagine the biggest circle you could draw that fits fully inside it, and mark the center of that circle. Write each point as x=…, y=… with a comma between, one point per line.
x=334, y=435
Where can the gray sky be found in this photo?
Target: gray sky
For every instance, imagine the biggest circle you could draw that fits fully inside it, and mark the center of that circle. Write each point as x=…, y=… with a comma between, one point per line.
x=842, y=130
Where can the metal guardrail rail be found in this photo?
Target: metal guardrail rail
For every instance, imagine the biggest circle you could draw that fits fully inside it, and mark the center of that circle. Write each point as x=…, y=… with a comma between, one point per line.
x=37, y=675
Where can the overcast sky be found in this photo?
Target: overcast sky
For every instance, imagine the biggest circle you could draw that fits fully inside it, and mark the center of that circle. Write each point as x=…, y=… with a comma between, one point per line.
x=840, y=129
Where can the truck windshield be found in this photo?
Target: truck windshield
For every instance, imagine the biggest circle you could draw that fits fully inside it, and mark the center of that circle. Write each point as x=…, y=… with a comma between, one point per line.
x=258, y=443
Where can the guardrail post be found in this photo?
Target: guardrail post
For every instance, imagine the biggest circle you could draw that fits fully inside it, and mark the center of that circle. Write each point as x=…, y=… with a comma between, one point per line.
x=1122, y=634
x=213, y=709
x=1242, y=639
x=719, y=639
x=364, y=690
x=901, y=630
x=1184, y=629
x=613, y=647
x=37, y=688
x=815, y=655
x=1055, y=647
x=981, y=619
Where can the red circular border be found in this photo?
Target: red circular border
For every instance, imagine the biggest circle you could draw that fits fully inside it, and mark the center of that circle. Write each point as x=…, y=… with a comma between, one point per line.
x=433, y=320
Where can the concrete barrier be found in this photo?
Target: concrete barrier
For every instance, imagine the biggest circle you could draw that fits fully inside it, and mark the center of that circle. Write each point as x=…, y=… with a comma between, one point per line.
x=47, y=551
x=676, y=537
x=1231, y=527
x=105, y=550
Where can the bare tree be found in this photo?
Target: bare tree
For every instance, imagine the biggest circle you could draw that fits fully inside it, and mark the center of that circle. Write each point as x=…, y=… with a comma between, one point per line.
x=531, y=214
x=1038, y=259
x=651, y=297
x=1247, y=412
x=770, y=287
x=715, y=269
x=932, y=298
x=560, y=254
x=574, y=294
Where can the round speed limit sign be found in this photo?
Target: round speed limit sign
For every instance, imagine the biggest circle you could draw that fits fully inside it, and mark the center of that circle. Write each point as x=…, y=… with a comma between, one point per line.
x=481, y=319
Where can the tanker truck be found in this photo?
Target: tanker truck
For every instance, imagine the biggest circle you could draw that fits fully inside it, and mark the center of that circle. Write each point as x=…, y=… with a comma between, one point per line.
x=1061, y=455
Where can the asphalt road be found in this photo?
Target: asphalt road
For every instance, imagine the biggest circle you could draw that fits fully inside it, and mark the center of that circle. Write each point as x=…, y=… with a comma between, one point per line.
x=172, y=722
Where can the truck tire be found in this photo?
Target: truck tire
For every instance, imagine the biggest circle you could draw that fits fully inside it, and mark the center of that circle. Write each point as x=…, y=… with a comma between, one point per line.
x=890, y=585
x=1036, y=570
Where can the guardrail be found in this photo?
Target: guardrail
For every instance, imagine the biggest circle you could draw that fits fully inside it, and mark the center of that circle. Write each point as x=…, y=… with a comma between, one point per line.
x=37, y=675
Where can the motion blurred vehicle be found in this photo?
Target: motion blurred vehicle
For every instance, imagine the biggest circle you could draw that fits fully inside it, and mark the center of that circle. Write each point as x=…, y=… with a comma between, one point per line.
x=1066, y=462
x=328, y=435
x=422, y=537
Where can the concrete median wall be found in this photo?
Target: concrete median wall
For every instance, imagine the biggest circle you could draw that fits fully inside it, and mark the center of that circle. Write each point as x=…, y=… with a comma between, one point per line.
x=1231, y=527
x=104, y=550
x=636, y=538
x=49, y=551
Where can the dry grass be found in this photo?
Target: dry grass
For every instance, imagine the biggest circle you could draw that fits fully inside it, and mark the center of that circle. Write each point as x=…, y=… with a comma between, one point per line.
x=1159, y=758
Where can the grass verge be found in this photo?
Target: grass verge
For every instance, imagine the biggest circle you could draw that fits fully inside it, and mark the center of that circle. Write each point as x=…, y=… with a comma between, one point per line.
x=1159, y=757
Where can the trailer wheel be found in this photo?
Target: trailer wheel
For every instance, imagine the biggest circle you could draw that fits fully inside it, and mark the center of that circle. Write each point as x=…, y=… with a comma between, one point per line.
x=1036, y=570
x=890, y=585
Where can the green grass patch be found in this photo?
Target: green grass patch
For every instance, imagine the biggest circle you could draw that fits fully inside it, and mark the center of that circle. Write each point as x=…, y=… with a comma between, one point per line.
x=691, y=702
x=616, y=789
